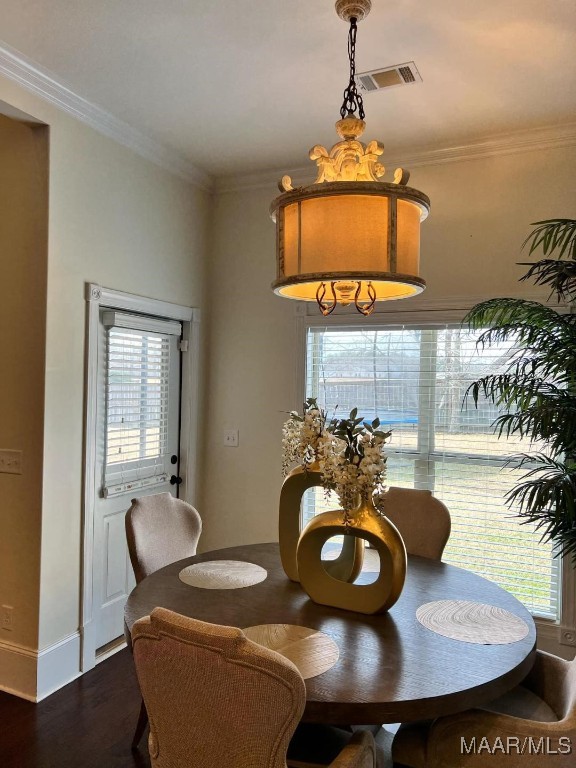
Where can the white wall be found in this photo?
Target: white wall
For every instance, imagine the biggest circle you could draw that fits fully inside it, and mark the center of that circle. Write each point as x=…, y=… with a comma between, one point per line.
x=120, y=221
x=481, y=213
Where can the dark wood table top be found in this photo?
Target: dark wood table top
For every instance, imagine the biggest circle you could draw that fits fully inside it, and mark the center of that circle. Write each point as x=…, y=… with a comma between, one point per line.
x=391, y=668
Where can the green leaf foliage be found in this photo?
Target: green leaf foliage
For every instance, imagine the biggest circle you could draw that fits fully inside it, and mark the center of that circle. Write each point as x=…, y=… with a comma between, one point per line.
x=537, y=388
x=555, y=237
x=546, y=497
x=559, y=275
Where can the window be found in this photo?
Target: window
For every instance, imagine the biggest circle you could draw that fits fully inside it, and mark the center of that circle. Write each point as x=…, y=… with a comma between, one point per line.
x=140, y=372
x=414, y=379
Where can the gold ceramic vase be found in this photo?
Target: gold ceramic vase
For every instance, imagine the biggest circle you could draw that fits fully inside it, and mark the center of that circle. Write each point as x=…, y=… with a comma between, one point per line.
x=347, y=565
x=364, y=522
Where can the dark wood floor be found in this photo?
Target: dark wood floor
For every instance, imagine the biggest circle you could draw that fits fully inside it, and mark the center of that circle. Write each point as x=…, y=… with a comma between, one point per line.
x=87, y=724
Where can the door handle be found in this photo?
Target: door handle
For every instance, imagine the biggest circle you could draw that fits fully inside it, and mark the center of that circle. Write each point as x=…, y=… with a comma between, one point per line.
x=175, y=480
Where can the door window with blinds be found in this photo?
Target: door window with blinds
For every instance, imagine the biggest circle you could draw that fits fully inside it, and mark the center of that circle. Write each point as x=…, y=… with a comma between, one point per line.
x=414, y=380
x=141, y=355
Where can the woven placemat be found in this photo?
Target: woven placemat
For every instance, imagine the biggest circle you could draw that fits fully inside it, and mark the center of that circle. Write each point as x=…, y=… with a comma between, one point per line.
x=472, y=622
x=223, y=574
x=312, y=652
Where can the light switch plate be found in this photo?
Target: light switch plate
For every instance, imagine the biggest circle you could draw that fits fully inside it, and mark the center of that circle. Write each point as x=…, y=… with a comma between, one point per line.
x=231, y=438
x=7, y=618
x=11, y=462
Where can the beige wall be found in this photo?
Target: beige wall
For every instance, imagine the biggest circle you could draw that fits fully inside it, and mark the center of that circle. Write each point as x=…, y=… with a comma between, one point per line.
x=481, y=212
x=121, y=221
x=251, y=356
x=23, y=218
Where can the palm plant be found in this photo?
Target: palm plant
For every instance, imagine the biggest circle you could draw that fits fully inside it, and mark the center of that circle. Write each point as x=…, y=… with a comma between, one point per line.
x=537, y=389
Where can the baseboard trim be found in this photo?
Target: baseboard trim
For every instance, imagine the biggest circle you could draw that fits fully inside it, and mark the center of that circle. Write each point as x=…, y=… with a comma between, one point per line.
x=33, y=675
x=19, y=694
x=18, y=670
x=58, y=665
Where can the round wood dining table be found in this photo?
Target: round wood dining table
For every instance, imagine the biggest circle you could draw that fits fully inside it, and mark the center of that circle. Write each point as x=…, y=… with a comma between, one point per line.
x=390, y=668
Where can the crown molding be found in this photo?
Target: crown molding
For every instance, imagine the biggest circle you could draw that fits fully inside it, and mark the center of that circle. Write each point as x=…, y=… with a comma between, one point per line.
x=525, y=140
x=43, y=83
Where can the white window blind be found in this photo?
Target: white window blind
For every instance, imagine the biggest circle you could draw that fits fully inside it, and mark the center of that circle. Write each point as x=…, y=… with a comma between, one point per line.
x=414, y=379
x=137, y=402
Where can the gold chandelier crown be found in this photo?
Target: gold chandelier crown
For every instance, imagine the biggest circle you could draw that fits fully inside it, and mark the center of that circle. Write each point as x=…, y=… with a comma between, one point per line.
x=349, y=159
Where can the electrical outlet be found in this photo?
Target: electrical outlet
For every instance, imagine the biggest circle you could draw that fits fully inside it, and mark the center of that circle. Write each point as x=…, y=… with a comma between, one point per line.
x=231, y=438
x=11, y=462
x=7, y=618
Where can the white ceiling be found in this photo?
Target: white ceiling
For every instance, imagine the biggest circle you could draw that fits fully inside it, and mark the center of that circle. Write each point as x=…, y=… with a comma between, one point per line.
x=243, y=87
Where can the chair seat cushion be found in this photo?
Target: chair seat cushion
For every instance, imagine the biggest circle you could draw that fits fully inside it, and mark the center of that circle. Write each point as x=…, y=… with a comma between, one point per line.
x=523, y=703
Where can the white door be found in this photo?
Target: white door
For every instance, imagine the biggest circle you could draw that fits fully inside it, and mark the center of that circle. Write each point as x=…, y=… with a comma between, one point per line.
x=137, y=445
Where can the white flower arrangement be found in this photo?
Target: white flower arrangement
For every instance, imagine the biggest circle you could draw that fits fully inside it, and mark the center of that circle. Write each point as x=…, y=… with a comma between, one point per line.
x=302, y=436
x=352, y=460
x=350, y=452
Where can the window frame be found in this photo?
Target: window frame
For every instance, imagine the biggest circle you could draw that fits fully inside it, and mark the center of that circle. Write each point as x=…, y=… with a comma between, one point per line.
x=555, y=636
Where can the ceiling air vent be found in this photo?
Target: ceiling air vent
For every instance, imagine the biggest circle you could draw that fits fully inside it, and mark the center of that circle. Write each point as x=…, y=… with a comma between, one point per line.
x=376, y=79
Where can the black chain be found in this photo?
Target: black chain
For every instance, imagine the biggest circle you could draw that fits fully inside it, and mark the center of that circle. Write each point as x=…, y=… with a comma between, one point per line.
x=352, y=99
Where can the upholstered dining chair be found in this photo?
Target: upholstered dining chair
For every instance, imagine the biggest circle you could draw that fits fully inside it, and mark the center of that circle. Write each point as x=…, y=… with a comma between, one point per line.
x=521, y=729
x=216, y=698
x=159, y=530
x=423, y=520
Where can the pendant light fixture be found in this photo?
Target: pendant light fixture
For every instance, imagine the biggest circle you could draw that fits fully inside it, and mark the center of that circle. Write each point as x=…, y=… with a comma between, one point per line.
x=349, y=238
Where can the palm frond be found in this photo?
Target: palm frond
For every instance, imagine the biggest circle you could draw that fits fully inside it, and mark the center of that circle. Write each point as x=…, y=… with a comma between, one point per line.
x=506, y=318
x=534, y=408
x=521, y=390
x=553, y=235
x=541, y=424
x=546, y=498
x=559, y=275
x=554, y=364
x=545, y=340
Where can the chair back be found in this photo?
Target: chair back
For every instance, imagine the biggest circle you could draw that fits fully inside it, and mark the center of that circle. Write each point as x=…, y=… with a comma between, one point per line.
x=160, y=530
x=423, y=521
x=214, y=698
